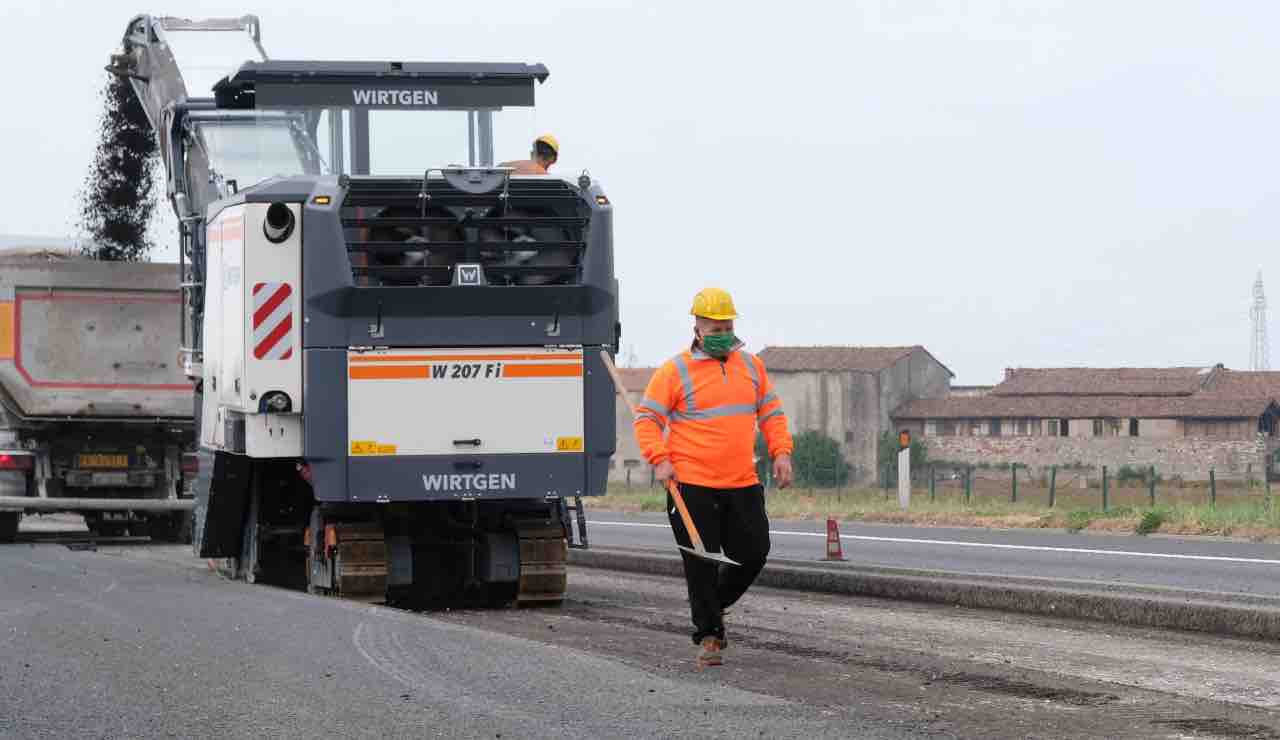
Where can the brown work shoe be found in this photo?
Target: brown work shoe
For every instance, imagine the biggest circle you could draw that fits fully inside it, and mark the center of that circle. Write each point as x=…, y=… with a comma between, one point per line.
x=709, y=653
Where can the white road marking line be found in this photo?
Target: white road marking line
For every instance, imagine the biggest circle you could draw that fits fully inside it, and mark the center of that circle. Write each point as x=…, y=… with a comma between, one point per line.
x=954, y=543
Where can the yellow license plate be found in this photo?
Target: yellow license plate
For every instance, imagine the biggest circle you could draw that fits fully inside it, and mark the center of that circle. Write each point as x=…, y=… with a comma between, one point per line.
x=104, y=461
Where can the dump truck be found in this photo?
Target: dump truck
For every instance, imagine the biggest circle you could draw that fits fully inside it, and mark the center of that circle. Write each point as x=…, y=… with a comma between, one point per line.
x=396, y=346
x=95, y=412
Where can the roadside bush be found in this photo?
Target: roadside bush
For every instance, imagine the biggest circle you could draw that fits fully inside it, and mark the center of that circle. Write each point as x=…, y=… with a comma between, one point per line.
x=1150, y=522
x=1078, y=520
x=818, y=462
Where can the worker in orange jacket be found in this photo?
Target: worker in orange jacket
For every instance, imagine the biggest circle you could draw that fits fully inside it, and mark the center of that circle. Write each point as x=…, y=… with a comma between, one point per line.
x=697, y=424
x=544, y=153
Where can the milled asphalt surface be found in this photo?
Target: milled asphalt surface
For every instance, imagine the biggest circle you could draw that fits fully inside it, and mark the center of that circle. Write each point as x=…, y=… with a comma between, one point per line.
x=1170, y=562
x=145, y=641
x=93, y=645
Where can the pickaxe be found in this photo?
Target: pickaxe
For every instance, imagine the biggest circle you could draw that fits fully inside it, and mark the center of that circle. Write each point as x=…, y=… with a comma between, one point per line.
x=698, y=549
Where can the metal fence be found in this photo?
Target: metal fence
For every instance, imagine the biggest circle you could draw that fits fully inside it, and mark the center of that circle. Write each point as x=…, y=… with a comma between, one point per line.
x=1071, y=485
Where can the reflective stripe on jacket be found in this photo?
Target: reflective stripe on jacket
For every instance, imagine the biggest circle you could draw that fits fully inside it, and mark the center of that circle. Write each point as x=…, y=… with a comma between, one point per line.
x=710, y=410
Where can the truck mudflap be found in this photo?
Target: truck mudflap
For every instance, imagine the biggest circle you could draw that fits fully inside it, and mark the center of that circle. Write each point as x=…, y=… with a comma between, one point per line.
x=221, y=495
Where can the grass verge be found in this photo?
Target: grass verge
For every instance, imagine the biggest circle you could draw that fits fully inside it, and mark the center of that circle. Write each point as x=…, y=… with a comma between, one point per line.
x=1249, y=517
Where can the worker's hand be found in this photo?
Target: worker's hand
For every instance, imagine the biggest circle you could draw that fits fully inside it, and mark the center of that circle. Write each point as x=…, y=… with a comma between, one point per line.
x=782, y=474
x=664, y=472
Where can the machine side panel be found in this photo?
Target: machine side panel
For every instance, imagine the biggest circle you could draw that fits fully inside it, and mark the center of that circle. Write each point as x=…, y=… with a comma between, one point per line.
x=601, y=423
x=272, y=320
x=231, y=348
x=325, y=423
x=466, y=477
x=211, y=330
x=451, y=402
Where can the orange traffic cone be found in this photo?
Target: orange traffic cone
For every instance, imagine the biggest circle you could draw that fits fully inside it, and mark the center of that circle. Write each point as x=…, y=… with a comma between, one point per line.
x=834, y=550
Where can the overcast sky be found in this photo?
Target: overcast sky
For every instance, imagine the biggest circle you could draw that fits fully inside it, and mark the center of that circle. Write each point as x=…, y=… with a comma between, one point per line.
x=1007, y=184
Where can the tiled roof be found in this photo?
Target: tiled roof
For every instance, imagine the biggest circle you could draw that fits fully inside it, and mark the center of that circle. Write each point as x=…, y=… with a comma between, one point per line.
x=1090, y=381
x=1084, y=407
x=809, y=359
x=634, y=379
x=1244, y=384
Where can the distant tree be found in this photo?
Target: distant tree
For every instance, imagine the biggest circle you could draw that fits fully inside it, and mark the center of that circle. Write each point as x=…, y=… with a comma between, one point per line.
x=116, y=200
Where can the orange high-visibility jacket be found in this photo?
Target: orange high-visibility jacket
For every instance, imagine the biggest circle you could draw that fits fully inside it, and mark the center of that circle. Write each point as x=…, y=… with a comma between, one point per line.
x=709, y=409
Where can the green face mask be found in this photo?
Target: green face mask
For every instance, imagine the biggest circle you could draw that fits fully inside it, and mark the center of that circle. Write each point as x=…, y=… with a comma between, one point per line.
x=718, y=345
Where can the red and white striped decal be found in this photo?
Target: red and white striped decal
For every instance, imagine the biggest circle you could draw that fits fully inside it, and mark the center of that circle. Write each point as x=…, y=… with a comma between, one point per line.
x=272, y=321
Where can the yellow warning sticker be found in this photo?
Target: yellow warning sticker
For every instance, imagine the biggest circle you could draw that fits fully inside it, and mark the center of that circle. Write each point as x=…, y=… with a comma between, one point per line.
x=569, y=444
x=364, y=447
x=6, y=330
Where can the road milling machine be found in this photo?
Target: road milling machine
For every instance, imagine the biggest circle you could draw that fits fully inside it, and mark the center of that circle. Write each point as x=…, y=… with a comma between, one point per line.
x=396, y=346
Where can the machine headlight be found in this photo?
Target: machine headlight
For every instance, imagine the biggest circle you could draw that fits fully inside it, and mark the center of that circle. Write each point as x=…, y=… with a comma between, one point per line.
x=275, y=402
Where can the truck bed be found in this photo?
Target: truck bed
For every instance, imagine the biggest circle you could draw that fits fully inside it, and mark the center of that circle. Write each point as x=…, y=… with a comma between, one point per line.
x=88, y=339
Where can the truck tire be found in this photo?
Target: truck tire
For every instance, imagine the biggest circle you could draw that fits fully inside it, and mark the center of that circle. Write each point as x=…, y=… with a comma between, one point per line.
x=175, y=528
x=9, y=526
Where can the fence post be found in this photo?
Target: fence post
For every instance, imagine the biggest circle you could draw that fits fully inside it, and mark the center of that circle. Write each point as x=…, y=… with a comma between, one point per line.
x=968, y=483
x=1213, y=490
x=628, y=479
x=1014, y=498
x=1266, y=499
x=653, y=478
x=1151, y=486
x=1104, y=487
x=933, y=482
x=1053, y=485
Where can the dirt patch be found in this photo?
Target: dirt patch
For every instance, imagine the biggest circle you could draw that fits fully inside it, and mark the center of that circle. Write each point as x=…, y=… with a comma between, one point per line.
x=1026, y=690
x=972, y=681
x=1213, y=727
x=1125, y=524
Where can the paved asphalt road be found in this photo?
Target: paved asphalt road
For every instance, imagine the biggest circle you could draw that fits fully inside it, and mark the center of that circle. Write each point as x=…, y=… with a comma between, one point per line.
x=140, y=641
x=1197, y=564
x=100, y=646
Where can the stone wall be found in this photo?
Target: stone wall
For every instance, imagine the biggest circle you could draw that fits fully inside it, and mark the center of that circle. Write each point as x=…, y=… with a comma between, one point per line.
x=1188, y=457
x=853, y=407
x=916, y=376
x=842, y=405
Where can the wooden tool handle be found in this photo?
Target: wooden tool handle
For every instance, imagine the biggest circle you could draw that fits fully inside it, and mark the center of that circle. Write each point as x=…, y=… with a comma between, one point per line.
x=695, y=539
x=617, y=381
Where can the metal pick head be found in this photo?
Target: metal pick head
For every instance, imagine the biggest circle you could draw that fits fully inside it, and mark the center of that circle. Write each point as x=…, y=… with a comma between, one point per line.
x=714, y=556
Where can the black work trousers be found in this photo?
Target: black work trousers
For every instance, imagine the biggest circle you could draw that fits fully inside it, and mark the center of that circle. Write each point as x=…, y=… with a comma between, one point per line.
x=731, y=521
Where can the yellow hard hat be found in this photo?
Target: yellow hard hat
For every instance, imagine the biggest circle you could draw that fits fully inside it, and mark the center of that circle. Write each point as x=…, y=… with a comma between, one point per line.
x=550, y=141
x=715, y=304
